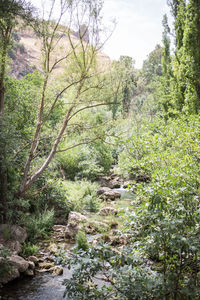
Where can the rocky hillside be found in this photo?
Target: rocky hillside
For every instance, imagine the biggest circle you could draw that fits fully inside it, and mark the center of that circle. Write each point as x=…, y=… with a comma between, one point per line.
x=26, y=55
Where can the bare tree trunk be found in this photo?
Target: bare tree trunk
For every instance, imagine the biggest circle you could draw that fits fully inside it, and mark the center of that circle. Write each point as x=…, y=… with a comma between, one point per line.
x=3, y=171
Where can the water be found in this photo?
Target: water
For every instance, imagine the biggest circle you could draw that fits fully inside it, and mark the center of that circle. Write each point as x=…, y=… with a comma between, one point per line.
x=47, y=286
x=125, y=193
x=41, y=287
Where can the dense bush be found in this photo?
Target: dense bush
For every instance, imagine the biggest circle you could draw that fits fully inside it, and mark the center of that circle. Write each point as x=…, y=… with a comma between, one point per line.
x=82, y=195
x=40, y=225
x=162, y=260
x=88, y=161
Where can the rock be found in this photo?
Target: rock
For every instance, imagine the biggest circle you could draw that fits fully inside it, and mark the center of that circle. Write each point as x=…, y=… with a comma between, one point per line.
x=14, y=246
x=9, y=276
x=111, y=195
x=33, y=259
x=114, y=183
x=13, y=233
x=29, y=272
x=126, y=184
x=72, y=230
x=58, y=270
x=59, y=228
x=31, y=265
x=76, y=217
x=103, y=190
x=46, y=265
x=106, y=211
x=53, y=248
x=17, y=261
x=95, y=227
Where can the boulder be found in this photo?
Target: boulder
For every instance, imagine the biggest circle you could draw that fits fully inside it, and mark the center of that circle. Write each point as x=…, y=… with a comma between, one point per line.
x=111, y=195
x=31, y=265
x=53, y=248
x=13, y=233
x=58, y=270
x=29, y=272
x=9, y=276
x=14, y=246
x=18, y=262
x=59, y=228
x=76, y=217
x=103, y=190
x=46, y=265
x=114, y=183
x=33, y=259
x=126, y=184
x=95, y=227
x=106, y=211
x=72, y=230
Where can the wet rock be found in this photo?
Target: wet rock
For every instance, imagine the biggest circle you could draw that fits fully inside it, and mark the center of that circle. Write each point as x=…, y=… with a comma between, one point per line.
x=72, y=230
x=126, y=184
x=19, y=262
x=111, y=195
x=76, y=217
x=33, y=259
x=59, y=228
x=114, y=183
x=58, y=270
x=103, y=190
x=9, y=276
x=53, y=248
x=29, y=272
x=106, y=211
x=46, y=265
x=31, y=265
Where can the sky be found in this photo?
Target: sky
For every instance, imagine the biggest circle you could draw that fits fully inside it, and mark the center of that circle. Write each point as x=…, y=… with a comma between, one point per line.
x=138, y=28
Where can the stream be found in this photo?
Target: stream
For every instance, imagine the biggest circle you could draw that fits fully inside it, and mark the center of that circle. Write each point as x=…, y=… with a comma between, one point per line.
x=46, y=286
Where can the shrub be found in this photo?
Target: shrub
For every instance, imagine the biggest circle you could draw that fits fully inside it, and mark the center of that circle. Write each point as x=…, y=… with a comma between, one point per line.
x=29, y=249
x=83, y=195
x=81, y=241
x=40, y=225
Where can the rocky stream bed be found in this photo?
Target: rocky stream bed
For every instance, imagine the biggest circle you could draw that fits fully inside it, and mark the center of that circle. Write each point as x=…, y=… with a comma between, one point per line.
x=41, y=277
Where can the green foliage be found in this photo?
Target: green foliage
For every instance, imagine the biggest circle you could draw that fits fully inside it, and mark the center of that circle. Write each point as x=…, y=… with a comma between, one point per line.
x=83, y=195
x=29, y=249
x=181, y=87
x=162, y=258
x=81, y=241
x=40, y=225
x=4, y=265
x=89, y=161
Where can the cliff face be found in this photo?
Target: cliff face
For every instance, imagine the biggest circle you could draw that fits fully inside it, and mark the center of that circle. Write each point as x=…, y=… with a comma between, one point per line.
x=26, y=55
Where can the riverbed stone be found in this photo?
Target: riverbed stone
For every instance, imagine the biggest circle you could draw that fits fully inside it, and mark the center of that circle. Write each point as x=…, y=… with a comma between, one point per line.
x=103, y=190
x=19, y=262
x=29, y=272
x=76, y=217
x=33, y=259
x=111, y=195
x=72, y=230
x=53, y=248
x=58, y=270
x=9, y=276
x=106, y=211
x=46, y=265
x=31, y=265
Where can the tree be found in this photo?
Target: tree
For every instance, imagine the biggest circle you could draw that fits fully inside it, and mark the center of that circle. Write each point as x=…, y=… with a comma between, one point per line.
x=10, y=12
x=78, y=88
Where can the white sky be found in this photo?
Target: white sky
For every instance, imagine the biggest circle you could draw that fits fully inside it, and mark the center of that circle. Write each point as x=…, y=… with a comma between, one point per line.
x=138, y=30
